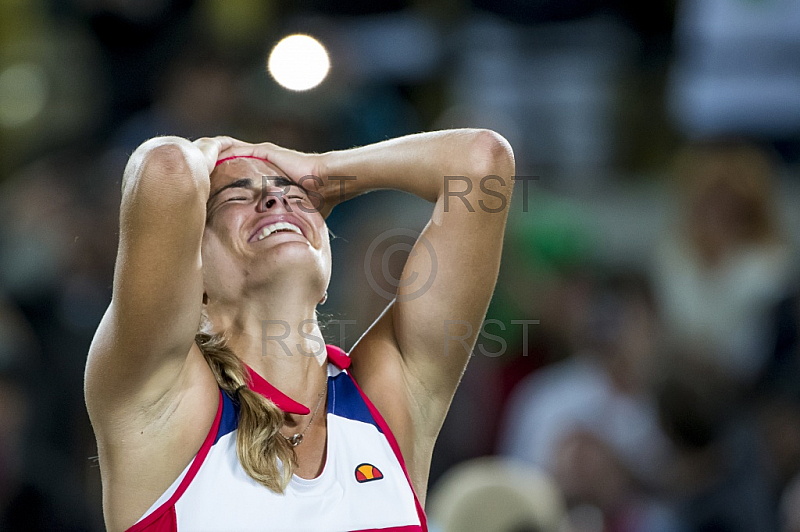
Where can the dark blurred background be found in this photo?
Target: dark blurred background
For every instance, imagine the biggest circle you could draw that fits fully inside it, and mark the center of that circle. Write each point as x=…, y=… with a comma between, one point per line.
x=640, y=371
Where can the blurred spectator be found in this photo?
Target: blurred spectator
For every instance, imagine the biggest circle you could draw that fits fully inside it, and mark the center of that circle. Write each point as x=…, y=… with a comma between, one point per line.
x=790, y=508
x=719, y=477
x=589, y=419
x=493, y=494
x=778, y=408
x=725, y=264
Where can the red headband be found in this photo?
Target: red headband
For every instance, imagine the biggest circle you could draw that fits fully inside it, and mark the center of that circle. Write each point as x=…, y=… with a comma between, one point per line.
x=240, y=157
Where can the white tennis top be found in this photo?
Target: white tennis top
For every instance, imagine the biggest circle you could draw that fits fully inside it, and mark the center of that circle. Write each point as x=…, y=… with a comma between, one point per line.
x=363, y=487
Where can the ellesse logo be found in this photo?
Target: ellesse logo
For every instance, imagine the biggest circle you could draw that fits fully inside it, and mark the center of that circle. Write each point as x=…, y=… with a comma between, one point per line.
x=367, y=473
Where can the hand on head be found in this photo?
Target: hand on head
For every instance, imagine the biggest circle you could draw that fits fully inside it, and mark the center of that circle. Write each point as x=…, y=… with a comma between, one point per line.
x=212, y=147
x=307, y=169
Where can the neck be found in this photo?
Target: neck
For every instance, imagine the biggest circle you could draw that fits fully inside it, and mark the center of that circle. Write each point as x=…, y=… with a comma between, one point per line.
x=281, y=342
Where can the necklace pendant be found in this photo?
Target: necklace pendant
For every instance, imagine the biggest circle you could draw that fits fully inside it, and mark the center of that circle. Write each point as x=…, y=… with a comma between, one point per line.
x=295, y=440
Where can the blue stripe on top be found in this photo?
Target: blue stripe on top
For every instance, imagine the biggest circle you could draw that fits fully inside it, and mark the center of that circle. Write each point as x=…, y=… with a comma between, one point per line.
x=345, y=400
x=230, y=417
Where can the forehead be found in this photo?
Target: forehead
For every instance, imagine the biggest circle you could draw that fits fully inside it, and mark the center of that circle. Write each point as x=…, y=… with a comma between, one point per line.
x=234, y=169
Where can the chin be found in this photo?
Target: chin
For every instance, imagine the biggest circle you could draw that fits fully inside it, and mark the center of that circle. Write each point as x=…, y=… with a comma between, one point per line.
x=301, y=263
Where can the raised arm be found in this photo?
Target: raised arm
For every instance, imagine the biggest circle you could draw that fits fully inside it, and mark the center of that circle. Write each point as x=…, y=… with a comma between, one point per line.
x=147, y=331
x=468, y=174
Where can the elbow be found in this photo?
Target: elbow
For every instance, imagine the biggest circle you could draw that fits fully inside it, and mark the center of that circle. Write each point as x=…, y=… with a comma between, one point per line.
x=492, y=155
x=166, y=164
x=492, y=171
x=165, y=156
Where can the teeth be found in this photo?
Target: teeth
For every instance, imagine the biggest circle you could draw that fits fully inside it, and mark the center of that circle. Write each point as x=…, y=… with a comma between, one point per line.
x=280, y=226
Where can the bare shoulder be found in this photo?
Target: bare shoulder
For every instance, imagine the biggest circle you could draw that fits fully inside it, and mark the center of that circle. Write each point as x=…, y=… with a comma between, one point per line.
x=144, y=443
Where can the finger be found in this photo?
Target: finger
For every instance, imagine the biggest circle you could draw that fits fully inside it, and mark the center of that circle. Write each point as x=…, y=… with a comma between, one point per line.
x=236, y=148
x=268, y=147
x=277, y=155
x=204, y=143
x=234, y=151
x=210, y=149
x=226, y=142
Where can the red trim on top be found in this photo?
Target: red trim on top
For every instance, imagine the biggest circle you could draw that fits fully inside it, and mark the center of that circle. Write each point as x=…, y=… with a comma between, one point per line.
x=337, y=356
x=240, y=157
x=260, y=385
x=193, y=469
x=396, y=448
x=408, y=528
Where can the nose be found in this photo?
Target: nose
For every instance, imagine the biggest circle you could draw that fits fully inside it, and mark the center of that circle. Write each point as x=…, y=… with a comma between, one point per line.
x=272, y=198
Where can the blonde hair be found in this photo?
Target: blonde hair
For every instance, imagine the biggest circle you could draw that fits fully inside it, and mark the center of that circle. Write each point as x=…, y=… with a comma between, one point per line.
x=263, y=452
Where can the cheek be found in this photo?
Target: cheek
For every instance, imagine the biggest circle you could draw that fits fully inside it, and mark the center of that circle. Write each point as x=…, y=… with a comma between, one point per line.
x=209, y=247
x=214, y=256
x=219, y=236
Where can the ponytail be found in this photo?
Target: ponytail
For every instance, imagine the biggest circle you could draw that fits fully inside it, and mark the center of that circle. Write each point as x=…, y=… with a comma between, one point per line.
x=263, y=452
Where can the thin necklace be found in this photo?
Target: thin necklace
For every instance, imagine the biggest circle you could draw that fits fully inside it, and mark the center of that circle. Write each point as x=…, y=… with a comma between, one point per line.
x=297, y=438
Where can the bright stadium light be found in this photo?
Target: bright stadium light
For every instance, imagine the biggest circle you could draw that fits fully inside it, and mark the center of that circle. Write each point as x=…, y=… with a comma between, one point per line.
x=299, y=62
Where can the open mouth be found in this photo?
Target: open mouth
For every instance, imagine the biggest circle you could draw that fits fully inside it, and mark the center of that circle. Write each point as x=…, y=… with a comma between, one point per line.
x=277, y=227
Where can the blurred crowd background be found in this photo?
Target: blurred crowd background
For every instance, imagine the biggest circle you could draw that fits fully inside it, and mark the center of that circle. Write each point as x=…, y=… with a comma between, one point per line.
x=639, y=370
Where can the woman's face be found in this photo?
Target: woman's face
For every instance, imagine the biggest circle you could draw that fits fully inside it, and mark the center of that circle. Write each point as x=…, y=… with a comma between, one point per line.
x=261, y=229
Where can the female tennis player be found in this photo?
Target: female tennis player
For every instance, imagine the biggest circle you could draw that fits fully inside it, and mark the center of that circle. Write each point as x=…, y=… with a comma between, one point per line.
x=216, y=404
